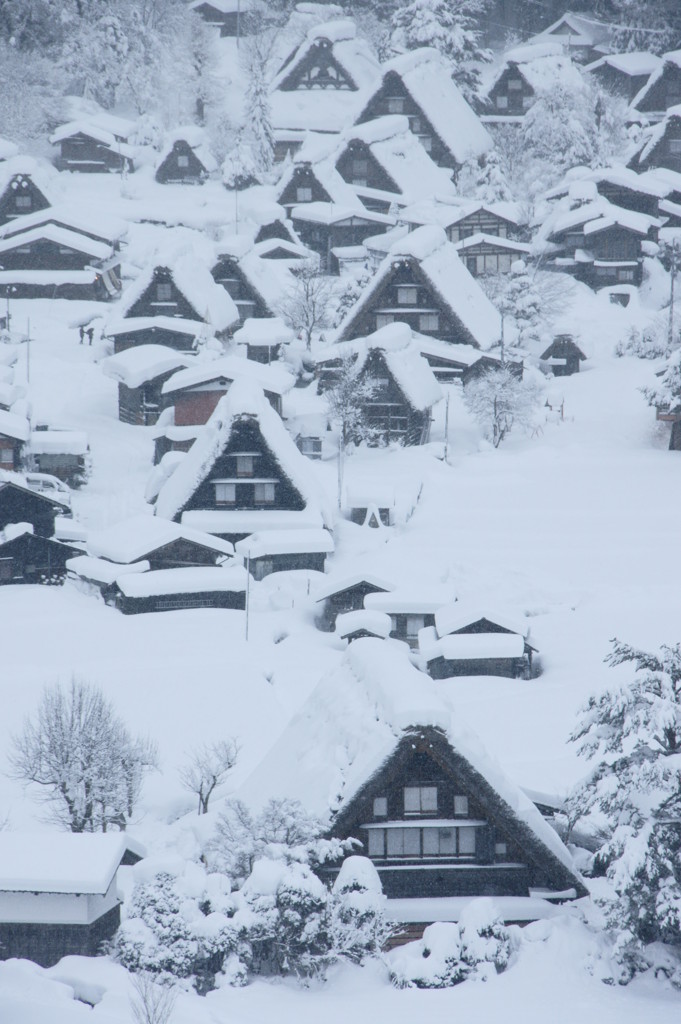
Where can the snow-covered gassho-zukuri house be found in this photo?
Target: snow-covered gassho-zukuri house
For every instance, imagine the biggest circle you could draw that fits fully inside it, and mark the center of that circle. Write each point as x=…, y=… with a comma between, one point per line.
x=661, y=145
x=438, y=817
x=58, y=894
x=243, y=474
x=172, y=304
x=661, y=92
x=624, y=74
x=527, y=73
x=96, y=145
x=470, y=642
x=24, y=189
x=422, y=282
x=186, y=158
x=419, y=85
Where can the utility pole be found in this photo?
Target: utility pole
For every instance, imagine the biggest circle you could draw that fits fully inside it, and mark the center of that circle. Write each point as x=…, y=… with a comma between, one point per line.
x=248, y=589
x=238, y=23
x=447, y=427
x=674, y=262
x=28, y=351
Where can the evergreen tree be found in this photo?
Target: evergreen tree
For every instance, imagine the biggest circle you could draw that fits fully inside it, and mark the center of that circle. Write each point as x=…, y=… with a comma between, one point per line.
x=632, y=736
x=521, y=302
x=450, y=26
x=357, y=926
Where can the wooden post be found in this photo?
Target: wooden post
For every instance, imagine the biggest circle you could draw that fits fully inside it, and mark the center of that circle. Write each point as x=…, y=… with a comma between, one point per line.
x=248, y=589
x=447, y=428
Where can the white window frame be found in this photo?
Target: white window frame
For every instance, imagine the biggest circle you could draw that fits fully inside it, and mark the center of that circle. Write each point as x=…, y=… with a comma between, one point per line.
x=225, y=493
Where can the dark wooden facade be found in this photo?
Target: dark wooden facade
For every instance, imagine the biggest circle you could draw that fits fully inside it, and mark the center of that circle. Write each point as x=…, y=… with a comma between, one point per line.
x=162, y=297
x=30, y=558
x=181, y=166
x=666, y=152
x=10, y=451
x=231, y=599
x=628, y=197
x=664, y=92
x=22, y=505
x=142, y=406
x=508, y=667
x=563, y=348
x=324, y=236
x=485, y=256
x=435, y=827
x=238, y=22
x=22, y=196
x=47, y=944
x=302, y=187
x=349, y=599
x=406, y=294
x=181, y=338
x=388, y=412
x=393, y=97
x=511, y=95
x=86, y=154
x=250, y=303
x=275, y=229
x=264, y=565
x=481, y=221
x=44, y=254
x=358, y=166
x=246, y=475
x=615, y=254
x=318, y=69
x=619, y=82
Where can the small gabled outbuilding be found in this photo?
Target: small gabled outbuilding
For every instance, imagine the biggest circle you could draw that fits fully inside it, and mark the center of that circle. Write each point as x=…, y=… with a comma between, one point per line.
x=661, y=145
x=141, y=372
x=419, y=86
x=525, y=75
x=488, y=254
x=422, y=282
x=346, y=594
x=467, y=642
x=584, y=39
x=287, y=550
x=19, y=504
x=438, y=819
x=166, y=590
x=196, y=390
x=234, y=18
x=331, y=58
x=61, y=453
x=158, y=543
x=243, y=474
x=411, y=609
x=624, y=74
x=58, y=892
x=563, y=356
x=26, y=557
x=94, y=146
x=263, y=338
x=662, y=90
x=362, y=624
x=186, y=158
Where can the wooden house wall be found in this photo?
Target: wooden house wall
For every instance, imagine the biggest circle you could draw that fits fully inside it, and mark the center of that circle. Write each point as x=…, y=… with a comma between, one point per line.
x=394, y=98
x=318, y=69
x=487, y=258
x=275, y=229
x=174, y=602
x=481, y=221
x=665, y=92
x=246, y=437
x=348, y=600
x=44, y=254
x=170, y=172
x=628, y=198
x=387, y=411
x=19, y=505
x=21, y=197
x=303, y=177
x=182, y=553
x=667, y=152
x=10, y=452
x=142, y=406
x=34, y=559
x=82, y=153
x=384, y=304
x=149, y=304
x=46, y=944
x=511, y=94
x=358, y=166
x=510, y=668
x=615, y=243
x=322, y=238
x=65, y=465
x=618, y=82
x=267, y=564
x=247, y=299
x=400, y=629
x=177, y=340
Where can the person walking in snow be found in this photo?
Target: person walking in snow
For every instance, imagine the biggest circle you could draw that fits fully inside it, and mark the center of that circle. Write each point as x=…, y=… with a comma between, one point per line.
x=81, y=331
x=90, y=333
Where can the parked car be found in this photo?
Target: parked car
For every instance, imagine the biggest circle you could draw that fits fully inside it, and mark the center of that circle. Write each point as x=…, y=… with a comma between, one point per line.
x=51, y=486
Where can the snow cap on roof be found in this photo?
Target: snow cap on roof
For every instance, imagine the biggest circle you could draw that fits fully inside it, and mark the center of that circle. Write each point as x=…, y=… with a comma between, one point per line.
x=244, y=399
x=451, y=618
x=353, y=54
x=185, y=580
x=62, y=862
x=270, y=377
x=263, y=331
x=141, y=363
x=196, y=139
x=377, y=623
x=131, y=539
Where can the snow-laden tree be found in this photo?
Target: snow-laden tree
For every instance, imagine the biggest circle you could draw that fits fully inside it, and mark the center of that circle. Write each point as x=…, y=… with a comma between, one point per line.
x=256, y=52
x=485, y=178
x=28, y=87
x=631, y=735
x=499, y=400
x=207, y=768
x=307, y=307
x=357, y=926
x=518, y=299
x=241, y=837
x=450, y=26
x=655, y=27
x=240, y=167
x=666, y=392
x=79, y=752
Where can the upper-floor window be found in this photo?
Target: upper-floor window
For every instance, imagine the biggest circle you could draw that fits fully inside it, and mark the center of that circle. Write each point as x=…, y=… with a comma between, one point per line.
x=264, y=493
x=427, y=142
x=461, y=806
x=23, y=202
x=514, y=84
x=244, y=465
x=414, y=624
x=501, y=102
x=183, y=160
x=420, y=799
x=675, y=146
x=164, y=291
x=407, y=295
x=415, y=124
x=304, y=194
x=395, y=104
x=380, y=807
x=429, y=322
x=383, y=319
x=225, y=494
x=360, y=167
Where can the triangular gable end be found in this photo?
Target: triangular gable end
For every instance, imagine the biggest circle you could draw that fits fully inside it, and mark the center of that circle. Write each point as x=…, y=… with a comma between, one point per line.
x=303, y=187
x=428, y=807
x=359, y=167
x=162, y=297
x=21, y=196
x=318, y=69
x=250, y=303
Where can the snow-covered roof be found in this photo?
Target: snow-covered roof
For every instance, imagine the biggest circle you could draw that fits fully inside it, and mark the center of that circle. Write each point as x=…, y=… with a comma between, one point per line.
x=482, y=238
x=410, y=600
x=60, y=236
x=13, y=426
x=451, y=618
x=244, y=399
x=653, y=136
x=141, y=363
x=337, y=584
x=175, y=324
x=196, y=139
x=104, y=128
x=545, y=73
x=44, y=277
x=189, y=580
x=270, y=377
x=42, y=175
x=427, y=78
x=263, y=331
x=440, y=264
x=578, y=30
x=595, y=216
x=285, y=542
x=100, y=570
x=133, y=538
x=352, y=53
x=457, y=209
x=83, y=219
x=7, y=149
x=377, y=623
x=255, y=520
x=359, y=711
x=210, y=300
x=673, y=58
x=59, y=442
x=637, y=63
x=271, y=279
x=409, y=369
x=465, y=646
x=62, y=862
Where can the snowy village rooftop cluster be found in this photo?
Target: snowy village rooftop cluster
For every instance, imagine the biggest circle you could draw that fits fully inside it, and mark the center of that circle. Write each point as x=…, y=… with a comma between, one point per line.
x=359, y=251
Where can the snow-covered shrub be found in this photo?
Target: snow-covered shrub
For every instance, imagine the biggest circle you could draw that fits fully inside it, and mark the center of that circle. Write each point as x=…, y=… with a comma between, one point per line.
x=357, y=919
x=650, y=343
x=499, y=400
x=477, y=947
